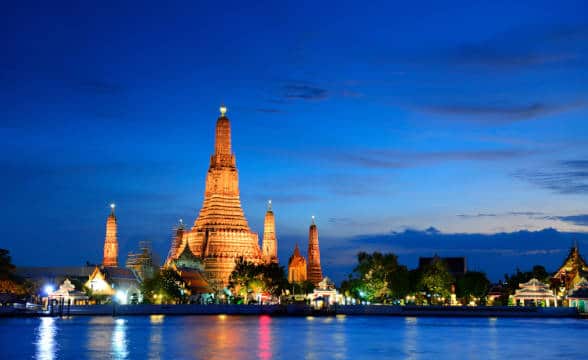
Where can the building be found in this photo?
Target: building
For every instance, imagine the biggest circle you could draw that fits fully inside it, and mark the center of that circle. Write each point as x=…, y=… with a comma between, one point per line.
x=110, y=240
x=314, y=271
x=572, y=271
x=67, y=294
x=221, y=234
x=270, y=242
x=325, y=294
x=455, y=265
x=296, y=267
x=578, y=296
x=534, y=292
x=115, y=281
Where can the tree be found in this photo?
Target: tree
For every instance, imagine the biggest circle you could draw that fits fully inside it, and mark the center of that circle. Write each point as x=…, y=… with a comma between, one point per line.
x=249, y=279
x=472, y=284
x=377, y=278
x=9, y=282
x=436, y=281
x=166, y=287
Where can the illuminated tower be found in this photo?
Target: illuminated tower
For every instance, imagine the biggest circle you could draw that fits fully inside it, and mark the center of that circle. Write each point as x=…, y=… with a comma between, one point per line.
x=110, y=241
x=221, y=235
x=270, y=243
x=314, y=272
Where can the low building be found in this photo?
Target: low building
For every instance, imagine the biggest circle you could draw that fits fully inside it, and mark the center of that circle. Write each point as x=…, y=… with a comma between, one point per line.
x=114, y=281
x=534, y=293
x=67, y=294
x=325, y=294
x=578, y=297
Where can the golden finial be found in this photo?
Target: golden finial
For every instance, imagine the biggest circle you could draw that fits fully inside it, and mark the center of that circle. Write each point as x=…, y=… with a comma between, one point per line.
x=269, y=205
x=223, y=110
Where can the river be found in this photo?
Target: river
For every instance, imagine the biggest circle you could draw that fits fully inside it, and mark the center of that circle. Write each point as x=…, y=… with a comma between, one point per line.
x=265, y=337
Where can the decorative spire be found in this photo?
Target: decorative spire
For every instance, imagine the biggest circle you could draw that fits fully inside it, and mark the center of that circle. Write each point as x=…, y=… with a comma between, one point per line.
x=312, y=221
x=112, y=206
x=181, y=224
x=223, y=110
x=269, y=205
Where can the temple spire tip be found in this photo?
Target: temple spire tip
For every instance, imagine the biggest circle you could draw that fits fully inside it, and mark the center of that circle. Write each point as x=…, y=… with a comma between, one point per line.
x=223, y=110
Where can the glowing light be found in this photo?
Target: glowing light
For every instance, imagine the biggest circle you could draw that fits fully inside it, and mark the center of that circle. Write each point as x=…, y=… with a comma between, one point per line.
x=48, y=289
x=112, y=206
x=46, y=339
x=223, y=110
x=156, y=319
x=222, y=316
x=121, y=297
x=310, y=318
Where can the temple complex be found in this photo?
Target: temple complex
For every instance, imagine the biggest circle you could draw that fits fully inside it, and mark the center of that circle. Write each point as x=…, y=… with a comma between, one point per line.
x=270, y=243
x=220, y=234
x=296, y=267
x=110, y=242
x=314, y=271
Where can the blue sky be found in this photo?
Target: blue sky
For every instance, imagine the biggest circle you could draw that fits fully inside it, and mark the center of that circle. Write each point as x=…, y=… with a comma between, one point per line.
x=375, y=117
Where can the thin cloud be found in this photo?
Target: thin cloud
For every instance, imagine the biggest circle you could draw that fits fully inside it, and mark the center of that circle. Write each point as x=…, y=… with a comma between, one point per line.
x=581, y=219
x=567, y=177
x=500, y=113
x=303, y=92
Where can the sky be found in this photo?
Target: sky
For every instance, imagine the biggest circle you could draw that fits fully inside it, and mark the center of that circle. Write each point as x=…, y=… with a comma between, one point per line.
x=456, y=128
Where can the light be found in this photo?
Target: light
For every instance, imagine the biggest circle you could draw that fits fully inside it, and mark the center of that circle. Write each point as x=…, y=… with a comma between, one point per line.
x=48, y=289
x=223, y=110
x=112, y=206
x=121, y=297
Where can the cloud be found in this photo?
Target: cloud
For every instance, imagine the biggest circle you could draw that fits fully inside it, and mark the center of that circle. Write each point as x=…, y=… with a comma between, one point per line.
x=581, y=219
x=392, y=159
x=523, y=47
x=301, y=91
x=500, y=113
x=567, y=177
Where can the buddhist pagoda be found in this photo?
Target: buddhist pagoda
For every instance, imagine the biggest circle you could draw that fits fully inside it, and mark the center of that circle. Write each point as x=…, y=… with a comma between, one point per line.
x=220, y=234
x=270, y=243
x=573, y=270
x=110, y=241
x=314, y=271
x=296, y=267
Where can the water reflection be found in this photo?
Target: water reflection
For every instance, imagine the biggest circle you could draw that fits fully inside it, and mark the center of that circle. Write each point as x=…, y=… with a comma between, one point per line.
x=46, y=348
x=264, y=343
x=410, y=337
x=119, y=339
x=155, y=337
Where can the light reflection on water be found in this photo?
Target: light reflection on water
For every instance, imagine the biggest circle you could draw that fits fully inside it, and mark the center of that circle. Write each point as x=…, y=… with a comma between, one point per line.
x=251, y=337
x=46, y=349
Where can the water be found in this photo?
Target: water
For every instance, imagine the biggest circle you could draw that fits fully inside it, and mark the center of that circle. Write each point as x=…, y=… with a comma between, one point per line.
x=241, y=337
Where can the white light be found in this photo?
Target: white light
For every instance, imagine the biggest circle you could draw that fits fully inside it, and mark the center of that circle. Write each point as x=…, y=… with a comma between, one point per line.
x=48, y=289
x=112, y=206
x=121, y=297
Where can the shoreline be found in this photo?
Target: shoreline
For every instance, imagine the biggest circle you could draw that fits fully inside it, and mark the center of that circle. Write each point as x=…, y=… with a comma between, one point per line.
x=294, y=310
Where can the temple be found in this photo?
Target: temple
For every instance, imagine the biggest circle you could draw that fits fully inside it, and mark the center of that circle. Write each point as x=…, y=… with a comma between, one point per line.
x=296, y=267
x=572, y=272
x=220, y=234
x=534, y=292
x=110, y=241
x=314, y=271
x=270, y=243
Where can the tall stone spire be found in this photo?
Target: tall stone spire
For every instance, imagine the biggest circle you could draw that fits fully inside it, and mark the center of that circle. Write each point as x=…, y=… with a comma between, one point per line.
x=270, y=243
x=314, y=272
x=110, y=241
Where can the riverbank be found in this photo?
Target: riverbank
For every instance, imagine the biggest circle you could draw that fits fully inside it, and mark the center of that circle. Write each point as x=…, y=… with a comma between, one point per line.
x=299, y=310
